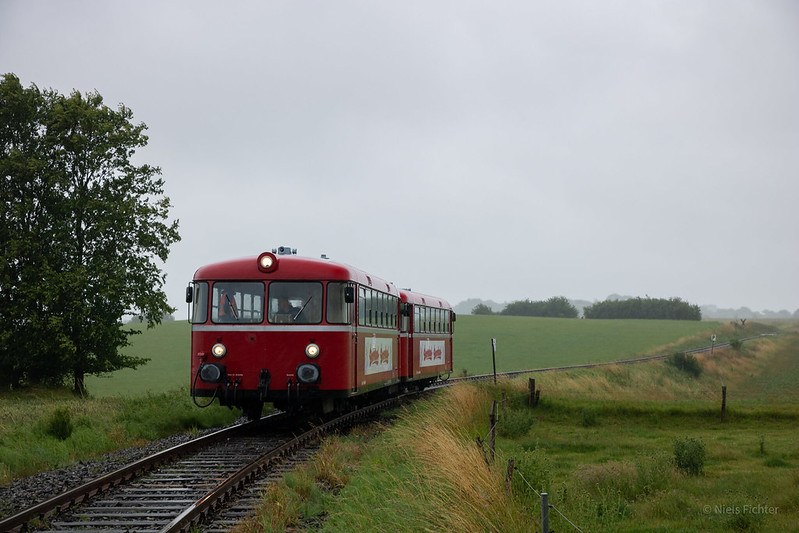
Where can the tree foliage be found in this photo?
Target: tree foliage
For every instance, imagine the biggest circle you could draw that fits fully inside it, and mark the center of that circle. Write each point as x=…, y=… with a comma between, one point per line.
x=556, y=307
x=482, y=309
x=81, y=229
x=649, y=308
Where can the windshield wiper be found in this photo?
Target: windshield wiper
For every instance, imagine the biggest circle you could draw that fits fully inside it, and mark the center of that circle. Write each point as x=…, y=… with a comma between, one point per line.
x=231, y=306
x=302, y=308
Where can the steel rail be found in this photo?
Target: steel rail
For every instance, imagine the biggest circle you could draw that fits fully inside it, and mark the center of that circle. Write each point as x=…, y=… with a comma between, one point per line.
x=203, y=508
x=79, y=494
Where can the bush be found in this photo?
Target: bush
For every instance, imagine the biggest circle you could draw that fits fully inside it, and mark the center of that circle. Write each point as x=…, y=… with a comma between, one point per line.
x=536, y=469
x=735, y=344
x=685, y=362
x=59, y=425
x=689, y=455
x=516, y=423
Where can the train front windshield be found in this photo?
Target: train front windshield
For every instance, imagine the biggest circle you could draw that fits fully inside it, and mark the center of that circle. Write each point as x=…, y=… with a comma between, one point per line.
x=294, y=302
x=237, y=303
x=287, y=302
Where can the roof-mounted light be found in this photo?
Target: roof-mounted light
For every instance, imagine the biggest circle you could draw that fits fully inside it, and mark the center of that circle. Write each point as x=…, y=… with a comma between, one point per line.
x=267, y=262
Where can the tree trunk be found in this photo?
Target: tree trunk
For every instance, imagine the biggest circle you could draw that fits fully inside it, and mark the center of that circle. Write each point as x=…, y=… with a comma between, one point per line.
x=80, y=386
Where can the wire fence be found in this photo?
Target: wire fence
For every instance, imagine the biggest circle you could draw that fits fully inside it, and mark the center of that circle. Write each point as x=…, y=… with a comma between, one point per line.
x=532, y=399
x=514, y=470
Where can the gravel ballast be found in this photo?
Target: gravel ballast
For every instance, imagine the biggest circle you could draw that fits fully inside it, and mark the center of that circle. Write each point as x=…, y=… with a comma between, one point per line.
x=23, y=493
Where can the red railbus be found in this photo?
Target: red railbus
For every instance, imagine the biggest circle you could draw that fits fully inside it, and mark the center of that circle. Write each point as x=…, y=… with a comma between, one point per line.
x=306, y=333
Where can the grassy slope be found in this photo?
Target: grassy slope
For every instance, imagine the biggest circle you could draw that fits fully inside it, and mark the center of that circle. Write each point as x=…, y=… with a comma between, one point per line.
x=601, y=443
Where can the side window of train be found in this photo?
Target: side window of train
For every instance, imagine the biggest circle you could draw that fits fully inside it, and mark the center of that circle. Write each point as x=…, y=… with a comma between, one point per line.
x=295, y=302
x=237, y=302
x=338, y=310
x=394, y=312
x=374, y=309
x=199, y=309
x=361, y=306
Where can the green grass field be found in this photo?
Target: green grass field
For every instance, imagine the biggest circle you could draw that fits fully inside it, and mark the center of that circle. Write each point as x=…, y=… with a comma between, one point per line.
x=529, y=342
x=167, y=346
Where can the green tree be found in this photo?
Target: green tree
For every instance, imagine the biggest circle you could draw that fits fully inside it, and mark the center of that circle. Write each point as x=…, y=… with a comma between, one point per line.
x=648, y=308
x=83, y=228
x=27, y=309
x=556, y=307
x=482, y=309
x=560, y=307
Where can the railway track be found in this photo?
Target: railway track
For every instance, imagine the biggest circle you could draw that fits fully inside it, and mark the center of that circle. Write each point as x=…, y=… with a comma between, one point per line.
x=208, y=480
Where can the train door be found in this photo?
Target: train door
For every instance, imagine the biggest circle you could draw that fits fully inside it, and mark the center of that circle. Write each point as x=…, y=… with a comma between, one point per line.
x=405, y=361
x=341, y=311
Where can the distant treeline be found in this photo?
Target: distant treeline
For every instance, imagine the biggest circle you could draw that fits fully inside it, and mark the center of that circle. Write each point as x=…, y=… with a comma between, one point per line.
x=490, y=307
x=651, y=308
x=560, y=307
x=556, y=307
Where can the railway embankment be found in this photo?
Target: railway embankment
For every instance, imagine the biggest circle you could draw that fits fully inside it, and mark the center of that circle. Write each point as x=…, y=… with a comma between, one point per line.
x=622, y=448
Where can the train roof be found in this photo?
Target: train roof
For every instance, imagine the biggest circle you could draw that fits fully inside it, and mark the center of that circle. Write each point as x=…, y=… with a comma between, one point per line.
x=416, y=298
x=291, y=267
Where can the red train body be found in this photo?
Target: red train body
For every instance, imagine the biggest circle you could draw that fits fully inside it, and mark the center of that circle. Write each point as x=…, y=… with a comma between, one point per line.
x=310, y=333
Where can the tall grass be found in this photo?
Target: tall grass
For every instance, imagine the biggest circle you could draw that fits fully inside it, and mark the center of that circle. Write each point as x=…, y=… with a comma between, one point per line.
x=427, y=465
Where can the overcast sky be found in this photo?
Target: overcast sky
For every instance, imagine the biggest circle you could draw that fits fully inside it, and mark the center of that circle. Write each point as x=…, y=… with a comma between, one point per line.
x=498, y=150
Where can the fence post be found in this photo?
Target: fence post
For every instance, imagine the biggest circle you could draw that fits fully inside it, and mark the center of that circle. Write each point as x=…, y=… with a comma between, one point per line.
x=494, y=358
x=509, y=476
x=723, y=402
x=492, y=419
x=531, y=392
x=544, y=512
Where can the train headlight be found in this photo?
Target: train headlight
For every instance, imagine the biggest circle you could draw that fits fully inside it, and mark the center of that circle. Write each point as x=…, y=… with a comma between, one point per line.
x=267, y=262
x=312, y=351
x=308, y=373
x=219, y=350
x=212, y=372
